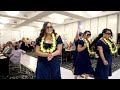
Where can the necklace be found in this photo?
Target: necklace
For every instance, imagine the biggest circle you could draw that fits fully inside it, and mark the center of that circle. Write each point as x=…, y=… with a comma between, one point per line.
x=49, y=50
x=87, y=43
x=110, y=43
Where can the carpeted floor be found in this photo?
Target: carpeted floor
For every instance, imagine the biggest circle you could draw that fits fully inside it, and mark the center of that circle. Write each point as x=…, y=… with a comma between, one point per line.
x=68, y=65
x=14, y=74
x=27, y=74
x=115, y=64
x=24, y=74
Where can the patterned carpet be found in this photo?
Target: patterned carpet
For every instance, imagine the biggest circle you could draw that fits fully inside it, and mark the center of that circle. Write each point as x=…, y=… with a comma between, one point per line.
x=27, y=74
x=68, y=65
x=115, y=64
x=24, y=74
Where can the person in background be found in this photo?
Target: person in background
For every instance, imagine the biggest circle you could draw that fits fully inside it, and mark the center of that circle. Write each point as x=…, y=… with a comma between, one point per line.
x=22, y=44
x=5, y=47
x=78, y=37
x=8, y=49
x=1, y=48
x=15, y=55
x=48, y=49
x=32, y=46
x=82, y=63
x=28, y=44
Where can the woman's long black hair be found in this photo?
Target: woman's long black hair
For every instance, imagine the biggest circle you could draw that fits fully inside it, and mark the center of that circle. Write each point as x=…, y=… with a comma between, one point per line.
x=99, y=36
x=96, y=39
x=43, y=30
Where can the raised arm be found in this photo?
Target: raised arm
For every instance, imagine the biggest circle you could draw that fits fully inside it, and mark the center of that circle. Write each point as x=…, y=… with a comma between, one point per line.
x=77, y=36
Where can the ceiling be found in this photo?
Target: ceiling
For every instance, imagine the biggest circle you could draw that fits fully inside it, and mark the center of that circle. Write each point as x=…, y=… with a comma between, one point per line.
x=8, y=19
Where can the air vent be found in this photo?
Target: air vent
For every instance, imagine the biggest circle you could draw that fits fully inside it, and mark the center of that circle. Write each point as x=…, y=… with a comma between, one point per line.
x=15, y=21
x=25, y=16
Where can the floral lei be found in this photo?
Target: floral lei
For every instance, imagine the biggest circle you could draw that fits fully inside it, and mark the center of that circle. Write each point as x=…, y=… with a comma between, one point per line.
x=49, y=50
x=112, y=50
x=87, y=43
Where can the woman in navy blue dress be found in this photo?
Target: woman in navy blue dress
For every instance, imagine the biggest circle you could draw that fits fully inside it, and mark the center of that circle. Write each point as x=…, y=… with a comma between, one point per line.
x=48, y=48
x=82, y=62
x=76, y=39
x=104, y=63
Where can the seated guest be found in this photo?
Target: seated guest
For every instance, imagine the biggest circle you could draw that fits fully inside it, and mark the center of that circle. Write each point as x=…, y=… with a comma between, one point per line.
x=5, y=46
x=22, y=44
x=32, y=45
x=15, y=55
x=8, y=49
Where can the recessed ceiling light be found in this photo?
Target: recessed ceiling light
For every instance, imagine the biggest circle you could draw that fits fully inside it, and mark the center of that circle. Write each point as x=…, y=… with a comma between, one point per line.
x=4, y=20
x=12, y=13
x=58, y=18
x=59, y=21
x=55, y=15
x=1, y=26
x=93, y=13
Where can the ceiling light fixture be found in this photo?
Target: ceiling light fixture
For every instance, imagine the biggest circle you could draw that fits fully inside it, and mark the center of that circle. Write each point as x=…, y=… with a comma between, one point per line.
x=12, y=13
x=4, y=20
x=1, y=26
x=55, y=15
x=93, y=13
x=59, y=20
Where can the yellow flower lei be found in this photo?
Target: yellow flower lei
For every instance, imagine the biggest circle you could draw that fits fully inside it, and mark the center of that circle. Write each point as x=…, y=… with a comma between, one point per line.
x=87, y=46
x=112, y=50
x=53, y=47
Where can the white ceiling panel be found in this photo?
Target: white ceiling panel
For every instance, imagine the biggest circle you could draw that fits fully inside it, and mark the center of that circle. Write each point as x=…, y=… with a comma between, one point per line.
x=37, y=18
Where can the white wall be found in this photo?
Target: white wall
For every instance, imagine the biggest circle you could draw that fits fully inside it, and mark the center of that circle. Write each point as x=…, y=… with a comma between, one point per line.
x=102, y=23
x=9, y=35
x=94, y=27
x=15, y=36
x=29, y=32
x=112, y=24
x=60, y=31
x=67, y=31
x=119, y=24
x=70, y=31
x=6, y=36
x=87, y=24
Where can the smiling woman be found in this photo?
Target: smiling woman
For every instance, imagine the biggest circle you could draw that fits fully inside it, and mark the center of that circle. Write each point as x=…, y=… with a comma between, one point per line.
x=48, y=49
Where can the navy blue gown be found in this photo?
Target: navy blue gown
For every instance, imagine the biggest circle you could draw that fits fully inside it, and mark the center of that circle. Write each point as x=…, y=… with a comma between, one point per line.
x=48, y=69
x=75, y=52
x=82, y=62
x=103, y=71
